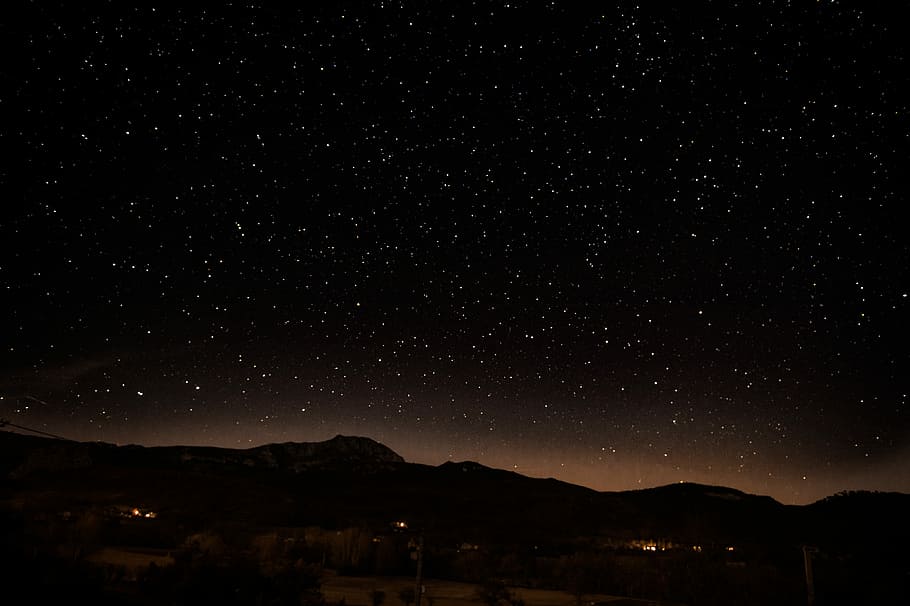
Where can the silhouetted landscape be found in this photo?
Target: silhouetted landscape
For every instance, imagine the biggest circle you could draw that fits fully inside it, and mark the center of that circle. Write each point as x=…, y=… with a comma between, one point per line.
x=310, y=523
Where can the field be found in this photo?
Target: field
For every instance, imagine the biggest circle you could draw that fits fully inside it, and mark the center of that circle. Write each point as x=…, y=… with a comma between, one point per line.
x=355, y=592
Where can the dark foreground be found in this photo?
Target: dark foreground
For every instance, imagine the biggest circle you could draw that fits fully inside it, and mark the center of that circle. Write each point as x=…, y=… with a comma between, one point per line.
x=347, y=521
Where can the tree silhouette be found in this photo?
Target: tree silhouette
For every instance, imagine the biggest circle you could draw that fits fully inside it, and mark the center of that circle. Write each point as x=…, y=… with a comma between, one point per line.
x=407, y=596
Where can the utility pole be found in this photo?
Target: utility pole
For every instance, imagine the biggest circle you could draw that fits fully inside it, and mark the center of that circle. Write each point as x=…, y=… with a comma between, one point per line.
x=810, y=582
x=419, y=582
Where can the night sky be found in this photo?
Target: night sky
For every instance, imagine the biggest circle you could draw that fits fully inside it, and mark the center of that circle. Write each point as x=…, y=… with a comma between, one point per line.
x=622, y=246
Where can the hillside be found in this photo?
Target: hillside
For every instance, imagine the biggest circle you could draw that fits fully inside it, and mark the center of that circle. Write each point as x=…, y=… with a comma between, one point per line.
x=344, y=494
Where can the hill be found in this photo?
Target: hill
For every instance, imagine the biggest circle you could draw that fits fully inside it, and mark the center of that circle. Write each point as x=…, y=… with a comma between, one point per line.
x=355, y=504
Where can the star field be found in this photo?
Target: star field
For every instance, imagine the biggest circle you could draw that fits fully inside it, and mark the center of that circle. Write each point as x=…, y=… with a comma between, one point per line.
x=621, y=246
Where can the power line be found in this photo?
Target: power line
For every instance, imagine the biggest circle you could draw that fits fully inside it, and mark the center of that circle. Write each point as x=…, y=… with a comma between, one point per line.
x=4, y=423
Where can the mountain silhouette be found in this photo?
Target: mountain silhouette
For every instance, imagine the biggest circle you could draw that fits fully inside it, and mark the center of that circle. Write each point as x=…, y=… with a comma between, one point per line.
x=350, y=481
x=353, y=504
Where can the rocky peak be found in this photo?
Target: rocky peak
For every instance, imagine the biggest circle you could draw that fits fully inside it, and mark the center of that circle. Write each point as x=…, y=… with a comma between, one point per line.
x=347, y=450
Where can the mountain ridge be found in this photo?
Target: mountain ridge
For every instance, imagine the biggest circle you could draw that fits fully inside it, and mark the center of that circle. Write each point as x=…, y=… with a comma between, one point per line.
x=47, y=454
x=39, y=454
x=361, y=493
